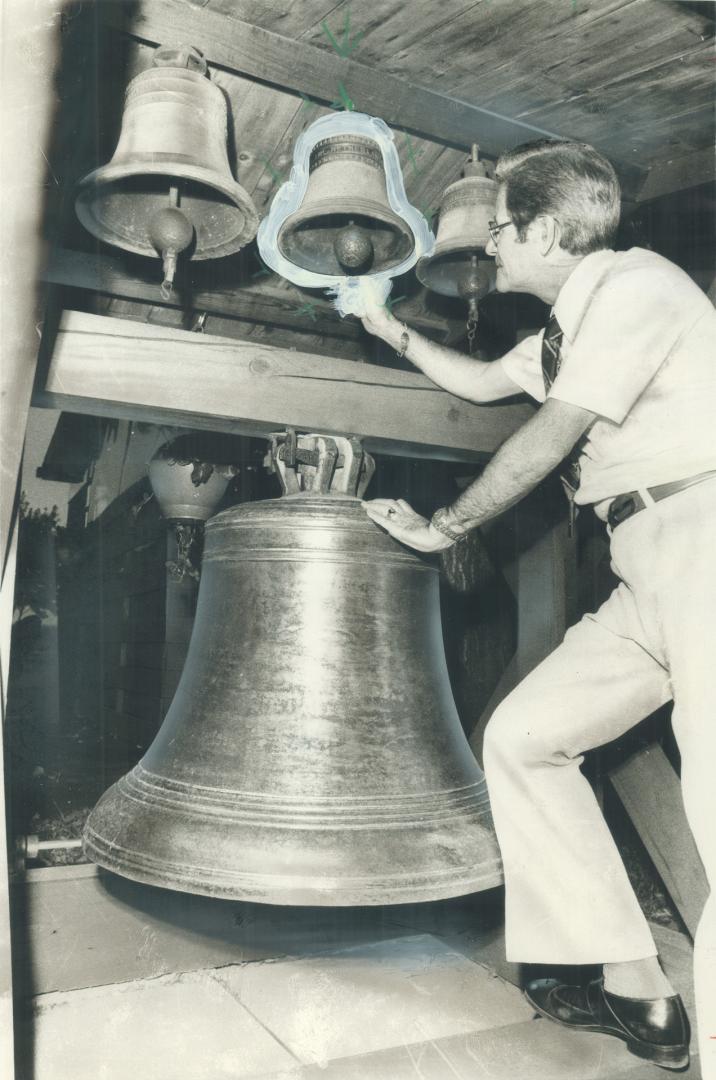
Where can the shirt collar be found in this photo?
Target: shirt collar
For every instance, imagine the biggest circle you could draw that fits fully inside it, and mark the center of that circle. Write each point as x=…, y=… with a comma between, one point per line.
x=575, y=295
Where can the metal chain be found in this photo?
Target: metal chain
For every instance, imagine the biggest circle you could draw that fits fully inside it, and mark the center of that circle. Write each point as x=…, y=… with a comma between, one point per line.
x=183, y=567
x=471, y=331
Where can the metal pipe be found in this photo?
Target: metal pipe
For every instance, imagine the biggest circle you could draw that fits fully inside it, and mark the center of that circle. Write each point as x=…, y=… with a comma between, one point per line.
x=30, y=846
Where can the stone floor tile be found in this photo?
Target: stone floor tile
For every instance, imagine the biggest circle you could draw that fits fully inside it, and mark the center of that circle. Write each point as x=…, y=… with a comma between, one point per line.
x=531, y=1050
x=368, y=998
x=184, y=1027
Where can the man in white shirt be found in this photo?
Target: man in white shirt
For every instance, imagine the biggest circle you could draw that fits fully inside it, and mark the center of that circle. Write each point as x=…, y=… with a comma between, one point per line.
x=626, y=374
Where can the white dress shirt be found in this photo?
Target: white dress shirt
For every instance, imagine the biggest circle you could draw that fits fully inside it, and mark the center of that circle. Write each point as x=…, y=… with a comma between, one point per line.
x=639, y=350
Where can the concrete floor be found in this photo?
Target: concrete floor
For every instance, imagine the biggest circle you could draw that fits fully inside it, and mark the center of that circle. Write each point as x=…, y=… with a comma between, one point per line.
x=193, y=989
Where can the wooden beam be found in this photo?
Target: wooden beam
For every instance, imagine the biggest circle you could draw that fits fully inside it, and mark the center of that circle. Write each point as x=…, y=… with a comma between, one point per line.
x=115, y=367
x=267, y=304
x=298, y=66
x=544, y=586
x=678, y=174
x=650, y=790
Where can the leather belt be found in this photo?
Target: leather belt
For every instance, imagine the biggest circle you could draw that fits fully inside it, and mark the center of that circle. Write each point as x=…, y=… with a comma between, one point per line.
x=624, y=506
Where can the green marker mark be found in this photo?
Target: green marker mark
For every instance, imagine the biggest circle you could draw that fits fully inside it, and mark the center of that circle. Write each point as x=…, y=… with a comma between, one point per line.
x=428, y=213
x=346, y=45
x=277, y=177
x=343, y=101
x=389, y=304
x=413, y=155
x=308, y=103
x=307, y=309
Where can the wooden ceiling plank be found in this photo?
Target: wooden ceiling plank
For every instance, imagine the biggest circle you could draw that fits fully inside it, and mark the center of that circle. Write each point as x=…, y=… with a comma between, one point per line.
x=319, y=74
x=678, y=174
x=527, y=93
x=391, y=25
x=289, y=17
x=616, y=44
x=641, y=109
x=471, y=49
x=697, y=71
x=100, y=364
x=640, y=31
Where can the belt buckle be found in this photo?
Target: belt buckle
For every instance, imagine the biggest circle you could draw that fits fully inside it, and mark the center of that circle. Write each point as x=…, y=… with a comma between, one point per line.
x=620, y=509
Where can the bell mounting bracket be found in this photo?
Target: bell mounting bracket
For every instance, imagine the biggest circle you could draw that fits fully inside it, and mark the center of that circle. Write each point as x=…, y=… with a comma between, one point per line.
x=321, y=464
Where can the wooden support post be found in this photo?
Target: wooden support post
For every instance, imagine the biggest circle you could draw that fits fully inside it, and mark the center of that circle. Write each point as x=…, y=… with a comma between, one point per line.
x=543, y=576
x=650, y=790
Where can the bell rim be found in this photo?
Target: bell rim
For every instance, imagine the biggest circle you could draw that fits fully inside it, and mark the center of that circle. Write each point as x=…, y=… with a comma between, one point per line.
x=428, y=262
x=383, y=885
x=112, y=173
x=326, y=892
x=401, y=227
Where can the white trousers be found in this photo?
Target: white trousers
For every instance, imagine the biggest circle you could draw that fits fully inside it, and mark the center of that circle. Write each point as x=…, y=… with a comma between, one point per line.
x=568, y=897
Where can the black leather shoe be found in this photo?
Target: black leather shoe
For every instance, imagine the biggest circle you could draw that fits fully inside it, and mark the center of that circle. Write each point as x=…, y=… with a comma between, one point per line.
x=657, y=1030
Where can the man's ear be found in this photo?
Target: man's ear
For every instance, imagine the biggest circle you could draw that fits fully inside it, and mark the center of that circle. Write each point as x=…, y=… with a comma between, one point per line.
x=549, y=233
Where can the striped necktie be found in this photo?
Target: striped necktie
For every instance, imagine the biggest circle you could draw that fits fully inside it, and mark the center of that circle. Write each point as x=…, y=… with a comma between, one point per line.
x=551, y=351
x=551, y=361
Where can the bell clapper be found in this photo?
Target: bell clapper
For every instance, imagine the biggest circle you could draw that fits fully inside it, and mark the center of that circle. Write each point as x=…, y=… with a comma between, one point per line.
x=187, y=536
x=353, y=247
x=171, y=232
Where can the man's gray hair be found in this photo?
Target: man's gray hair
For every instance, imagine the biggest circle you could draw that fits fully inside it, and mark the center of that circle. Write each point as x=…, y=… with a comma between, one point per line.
x=570, y=181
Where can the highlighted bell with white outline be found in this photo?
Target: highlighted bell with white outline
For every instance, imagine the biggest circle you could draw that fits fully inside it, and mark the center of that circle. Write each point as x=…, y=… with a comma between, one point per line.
x=345, y=224
x=343, y=218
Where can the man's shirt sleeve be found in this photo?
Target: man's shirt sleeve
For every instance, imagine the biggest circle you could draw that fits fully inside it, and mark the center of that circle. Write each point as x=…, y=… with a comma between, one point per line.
x=523, y=365
x=630, y=327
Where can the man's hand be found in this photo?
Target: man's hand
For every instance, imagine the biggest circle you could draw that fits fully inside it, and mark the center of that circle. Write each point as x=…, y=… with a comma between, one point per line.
x=399, y=519
x=377, y=320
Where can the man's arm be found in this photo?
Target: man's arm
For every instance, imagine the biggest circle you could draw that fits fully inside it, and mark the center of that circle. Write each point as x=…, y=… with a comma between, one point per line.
x=473, y=380
x=518, y=466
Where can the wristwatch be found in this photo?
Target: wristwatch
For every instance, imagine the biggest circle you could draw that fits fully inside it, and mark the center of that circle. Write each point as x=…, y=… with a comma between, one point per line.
x=404, y=342
x=439, y=521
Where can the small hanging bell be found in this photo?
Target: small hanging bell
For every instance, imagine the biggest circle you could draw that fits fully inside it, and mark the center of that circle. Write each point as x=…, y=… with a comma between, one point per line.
x=345, y=224
x=169, y=187
x=457, y=266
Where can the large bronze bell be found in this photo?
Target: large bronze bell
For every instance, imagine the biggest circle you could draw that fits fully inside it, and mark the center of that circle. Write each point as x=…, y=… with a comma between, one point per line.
x=345, y=224
x=312, y=753
x=457, y=265
x=169, y=185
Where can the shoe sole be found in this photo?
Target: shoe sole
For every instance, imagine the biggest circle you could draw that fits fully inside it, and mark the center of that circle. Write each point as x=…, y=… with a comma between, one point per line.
x=666, y=1057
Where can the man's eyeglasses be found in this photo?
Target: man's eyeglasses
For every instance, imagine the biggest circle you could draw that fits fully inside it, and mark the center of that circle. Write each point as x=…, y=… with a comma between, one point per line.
x=495, y=229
